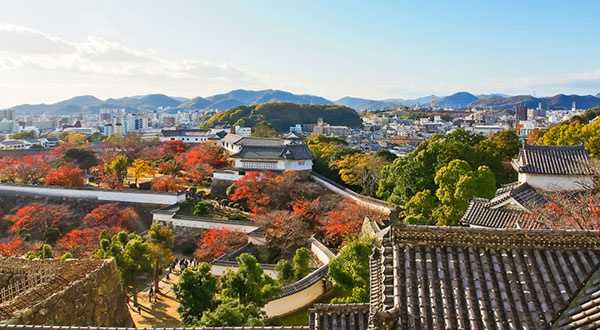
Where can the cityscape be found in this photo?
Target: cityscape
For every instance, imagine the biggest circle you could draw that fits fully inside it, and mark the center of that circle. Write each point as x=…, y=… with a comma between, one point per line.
x=298, y=166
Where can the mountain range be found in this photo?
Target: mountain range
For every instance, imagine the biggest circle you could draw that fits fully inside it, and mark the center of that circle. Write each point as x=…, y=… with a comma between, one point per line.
x=234, y=98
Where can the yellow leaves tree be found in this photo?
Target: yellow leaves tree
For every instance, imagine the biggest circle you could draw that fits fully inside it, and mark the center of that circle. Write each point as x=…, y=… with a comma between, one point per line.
x=75, y=138
x=351, y=167
x=574, y=134
x=139, y=168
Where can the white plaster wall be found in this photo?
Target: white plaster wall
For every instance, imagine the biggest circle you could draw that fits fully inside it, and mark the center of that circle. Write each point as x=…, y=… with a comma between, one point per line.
x=260, y=241
x=556, y=182
x=294, y=302
x=321, y=252
x=219, y=270
x=103, y=195
x=373, y=206
x=226, y=176
x=207, y=224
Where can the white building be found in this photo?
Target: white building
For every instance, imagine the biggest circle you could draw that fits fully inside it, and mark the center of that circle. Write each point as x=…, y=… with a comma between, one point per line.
x=189, y=135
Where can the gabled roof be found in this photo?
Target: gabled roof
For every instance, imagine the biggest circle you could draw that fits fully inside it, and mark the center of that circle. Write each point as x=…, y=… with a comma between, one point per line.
x=480, y=213
x=584, y=310
x=290, y=152
x=522, y=193
x=461, y=278
x=553, y=160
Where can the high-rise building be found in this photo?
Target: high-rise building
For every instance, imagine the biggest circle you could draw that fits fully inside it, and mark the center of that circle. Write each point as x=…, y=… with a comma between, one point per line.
x=521, y=112
x=8, y=114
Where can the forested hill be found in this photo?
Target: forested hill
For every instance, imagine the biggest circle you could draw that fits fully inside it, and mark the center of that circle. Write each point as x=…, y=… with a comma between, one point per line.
x=283, y=115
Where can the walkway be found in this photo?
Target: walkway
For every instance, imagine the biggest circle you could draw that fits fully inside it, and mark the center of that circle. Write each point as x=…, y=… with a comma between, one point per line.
x=161, y=314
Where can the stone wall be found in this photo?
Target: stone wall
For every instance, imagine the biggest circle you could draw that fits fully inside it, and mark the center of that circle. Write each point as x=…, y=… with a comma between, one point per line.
x=96, y=300
x=219, y=187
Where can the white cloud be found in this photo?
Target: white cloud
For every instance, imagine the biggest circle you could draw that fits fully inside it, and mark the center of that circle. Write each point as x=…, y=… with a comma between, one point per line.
x=26, y=52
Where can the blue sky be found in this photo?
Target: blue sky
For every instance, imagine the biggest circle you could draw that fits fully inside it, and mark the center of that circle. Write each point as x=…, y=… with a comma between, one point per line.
x=51, y=50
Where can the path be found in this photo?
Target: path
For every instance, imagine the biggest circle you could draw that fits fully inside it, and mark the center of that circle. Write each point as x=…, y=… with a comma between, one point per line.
x=161, y=314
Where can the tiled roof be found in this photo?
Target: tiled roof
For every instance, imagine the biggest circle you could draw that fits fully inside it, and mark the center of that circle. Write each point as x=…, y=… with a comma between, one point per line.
x=480, y=213
x=186, y=132
x=259, y=142
x=553, y=160
x=339, y=316
x=306, y=282
x=292, y=151
x=461, y=278
x=522, y=193
x=584, y=310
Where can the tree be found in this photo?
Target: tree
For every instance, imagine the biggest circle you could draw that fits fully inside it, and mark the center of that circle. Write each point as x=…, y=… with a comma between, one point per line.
x=24, y=135
x=171, y=167
x=232, y=313
x=205, y=154
x=64, y=176
x=84, y=158
x=168, y=183
x=216, y=242
x=138, y=168
x=264, y=129
x=160, y=240
x=345, y=221
x=202, y=208
x=249, y=189
x=508, y=143
x=195, y=291
x=301, y=260
x=79, y=241
x=285, y=271
x=249, y=284
x=418, y=209
x=118, y=167
x=35, y=218
x=458, y=184
x=96, y=137
x=111, y=215
x=563, y=135
x=10, y=248
x=75, y=138
x=51, y=235
x=323, y=148
x=535, y=135
x=350, y=271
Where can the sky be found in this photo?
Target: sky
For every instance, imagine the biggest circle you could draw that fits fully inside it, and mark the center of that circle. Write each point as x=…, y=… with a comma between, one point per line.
x=54, y=50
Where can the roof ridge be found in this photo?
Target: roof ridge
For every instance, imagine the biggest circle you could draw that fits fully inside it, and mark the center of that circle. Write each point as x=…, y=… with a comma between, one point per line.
x=498, y=238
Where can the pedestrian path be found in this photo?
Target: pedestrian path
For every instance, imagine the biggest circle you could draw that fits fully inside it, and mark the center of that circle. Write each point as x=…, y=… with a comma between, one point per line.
x=160, y=314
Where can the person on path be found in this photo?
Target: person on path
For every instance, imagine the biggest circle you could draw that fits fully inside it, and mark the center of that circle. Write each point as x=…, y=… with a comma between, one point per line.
x=140, y=309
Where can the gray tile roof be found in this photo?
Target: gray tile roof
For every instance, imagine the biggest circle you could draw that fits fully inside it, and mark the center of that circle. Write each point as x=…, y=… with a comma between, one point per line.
x=467, y=278
x=46, y=327
x=480, y=213
x=292, y=152
x=584, y=311
x=522, y=193
x=304, y=283
x=553, y=160
x=339, y=316
x=259, y=142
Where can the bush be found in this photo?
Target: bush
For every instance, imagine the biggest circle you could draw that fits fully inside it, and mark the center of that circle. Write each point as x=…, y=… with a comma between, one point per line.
x=285, y=271
x=236, y=216
x=51, y=235
x=301, y=260
x=236, y=205
x=66, y=256
x=202, y=208
x=230, y=204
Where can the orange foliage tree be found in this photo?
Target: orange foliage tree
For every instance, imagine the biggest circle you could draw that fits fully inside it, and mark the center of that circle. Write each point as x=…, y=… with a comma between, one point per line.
x=345, y=221
x=36, y=218
x=111, y=215
x=168, y=183
x=171, y=148
x=250, y=190
x=10, y=248
x=66, y=175
x=205, y=154
x=80, y=240
x=216, y=242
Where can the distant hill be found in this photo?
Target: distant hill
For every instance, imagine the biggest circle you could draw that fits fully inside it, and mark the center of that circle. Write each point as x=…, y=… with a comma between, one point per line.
x=366, y=104
x=239, y=97
x=283, y=115
x=457, y=100
x=557, y=102
x=62, y=107
x=195, y=103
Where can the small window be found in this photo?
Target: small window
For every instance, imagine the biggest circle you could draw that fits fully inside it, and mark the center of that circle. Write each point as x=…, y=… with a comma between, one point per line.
x=242, y=173
x=172, y=139
x=301, y=163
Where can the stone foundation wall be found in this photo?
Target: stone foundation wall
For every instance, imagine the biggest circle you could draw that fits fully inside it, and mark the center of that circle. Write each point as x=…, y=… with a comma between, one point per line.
x=97, y=300
x=218, y=188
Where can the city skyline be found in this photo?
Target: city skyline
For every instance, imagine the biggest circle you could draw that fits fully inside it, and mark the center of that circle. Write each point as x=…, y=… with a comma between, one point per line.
x=53, y=51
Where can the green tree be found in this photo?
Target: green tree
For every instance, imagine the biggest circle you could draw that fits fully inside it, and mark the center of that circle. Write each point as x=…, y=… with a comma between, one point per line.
x=160, y=240
x=96, y=137
x=232, y=313
x=84, y=158
x=202, y=208
x=458, y=184
x=418, y=209
x=285, y=271
x=301, y=260
x=350, y=271
x=508, y=144
x=249, y=284
x=45, y=252
x=195, y=291
x=51, y=235
x=264, y=129
x=66, y=256
x=24, y=135
x=118, y=167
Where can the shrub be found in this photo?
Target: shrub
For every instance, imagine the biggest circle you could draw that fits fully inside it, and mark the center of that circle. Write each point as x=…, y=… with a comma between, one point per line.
x=202, y=208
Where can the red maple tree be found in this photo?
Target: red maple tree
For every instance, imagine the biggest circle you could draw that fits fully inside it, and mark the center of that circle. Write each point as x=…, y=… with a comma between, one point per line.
x=111, y=215
x=345, y=221
x=168, y=183
x=216, y=242
x=66, y=175
x=80, y=240
x=10, y=248
x=204, y=154
x=250, y=189
x=36, y=218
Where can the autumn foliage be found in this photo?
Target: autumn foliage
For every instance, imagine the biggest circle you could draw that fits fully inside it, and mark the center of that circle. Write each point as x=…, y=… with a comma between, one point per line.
x=168, y=183
x=111, y=215
x=249, y=189
x=66, y=175
x=36, y=218
x=10, y=248
x=216, y=242
x=80, y=239
x=345, y=221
